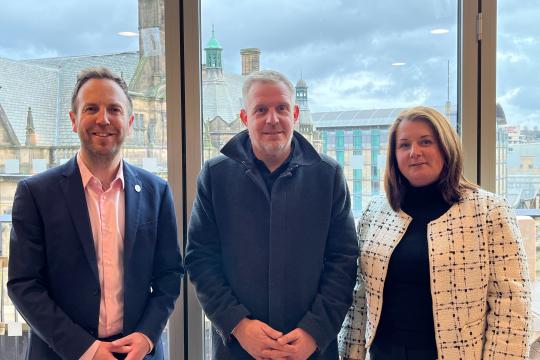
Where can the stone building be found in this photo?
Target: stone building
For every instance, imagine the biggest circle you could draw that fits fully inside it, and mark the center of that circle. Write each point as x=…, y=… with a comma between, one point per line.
x=35, y=100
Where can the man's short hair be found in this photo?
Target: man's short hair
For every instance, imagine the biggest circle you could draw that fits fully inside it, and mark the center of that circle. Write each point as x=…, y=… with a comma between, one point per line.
x=99, y=72
x=270, y=76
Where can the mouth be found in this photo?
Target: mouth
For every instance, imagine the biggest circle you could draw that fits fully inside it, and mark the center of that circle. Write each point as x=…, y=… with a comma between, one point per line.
x=102, y=134
x=273, y=132
x=418, y=164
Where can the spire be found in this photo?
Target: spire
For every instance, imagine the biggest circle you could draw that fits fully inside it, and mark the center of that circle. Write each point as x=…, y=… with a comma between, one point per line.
x=213, y=43
x=30, y=130
x=213, y=52
x=305, y=121
x=301, y=93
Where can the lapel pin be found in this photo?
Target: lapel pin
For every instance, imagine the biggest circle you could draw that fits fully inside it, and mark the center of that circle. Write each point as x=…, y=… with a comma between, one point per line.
x=137, y=188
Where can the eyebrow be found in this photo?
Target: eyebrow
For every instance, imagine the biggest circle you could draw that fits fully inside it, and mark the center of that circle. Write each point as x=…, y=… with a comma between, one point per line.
x=421, y=137
x=92, y=103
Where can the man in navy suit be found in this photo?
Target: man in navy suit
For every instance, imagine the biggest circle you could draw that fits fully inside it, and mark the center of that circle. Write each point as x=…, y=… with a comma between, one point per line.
x=95, y=266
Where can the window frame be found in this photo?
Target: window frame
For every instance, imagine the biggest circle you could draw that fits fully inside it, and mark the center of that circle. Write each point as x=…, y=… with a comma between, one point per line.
x=476, y=113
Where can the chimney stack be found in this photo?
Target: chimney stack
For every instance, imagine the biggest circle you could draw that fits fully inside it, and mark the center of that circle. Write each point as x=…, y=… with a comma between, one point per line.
x=250, y=60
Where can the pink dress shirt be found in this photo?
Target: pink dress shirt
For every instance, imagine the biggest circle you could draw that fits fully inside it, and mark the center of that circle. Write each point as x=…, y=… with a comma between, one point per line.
x=107, y=215
x=107, y=219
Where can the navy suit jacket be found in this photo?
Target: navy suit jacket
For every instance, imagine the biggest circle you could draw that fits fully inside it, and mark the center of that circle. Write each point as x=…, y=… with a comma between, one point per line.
x=53, y=276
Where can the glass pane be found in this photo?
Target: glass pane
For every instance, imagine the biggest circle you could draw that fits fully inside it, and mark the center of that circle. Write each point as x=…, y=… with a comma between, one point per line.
x=356, y=65
x=518, y=112
x=518, y=127
x=47, y=46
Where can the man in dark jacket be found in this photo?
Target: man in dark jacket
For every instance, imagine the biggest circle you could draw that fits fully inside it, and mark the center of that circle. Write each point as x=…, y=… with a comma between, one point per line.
x=95, y=265
x=272, y=246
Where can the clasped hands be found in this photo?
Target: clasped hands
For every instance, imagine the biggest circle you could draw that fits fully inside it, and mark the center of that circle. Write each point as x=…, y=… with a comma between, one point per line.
x=135, y=346
x=263, y=342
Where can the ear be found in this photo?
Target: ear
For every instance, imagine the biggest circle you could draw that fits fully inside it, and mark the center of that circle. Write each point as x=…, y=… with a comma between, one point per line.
x=73, y=118
x=243, y=116
x=296, y=113
x=130, y=123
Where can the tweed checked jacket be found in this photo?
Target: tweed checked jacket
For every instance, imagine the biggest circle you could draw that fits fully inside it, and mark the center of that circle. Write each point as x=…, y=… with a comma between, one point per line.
x=479, y=280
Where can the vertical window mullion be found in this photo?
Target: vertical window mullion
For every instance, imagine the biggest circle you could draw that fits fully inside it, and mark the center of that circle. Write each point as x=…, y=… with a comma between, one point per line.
x=487, y=96
x=468, y=86
x=174, y=151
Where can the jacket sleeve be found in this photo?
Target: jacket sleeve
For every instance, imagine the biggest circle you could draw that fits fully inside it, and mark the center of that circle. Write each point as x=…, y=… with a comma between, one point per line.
x=167, y=272
x=352, y=337
x=509, y=295
x=27, y=282
x=204, y=264
x=336, y=284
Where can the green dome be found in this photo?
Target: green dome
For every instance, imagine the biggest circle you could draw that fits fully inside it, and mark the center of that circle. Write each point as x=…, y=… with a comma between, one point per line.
x=213, y=43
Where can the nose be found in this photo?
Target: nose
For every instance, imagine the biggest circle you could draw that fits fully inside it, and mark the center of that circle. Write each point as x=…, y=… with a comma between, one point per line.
x=102, y=117
x=272, y=118
x=415, y=151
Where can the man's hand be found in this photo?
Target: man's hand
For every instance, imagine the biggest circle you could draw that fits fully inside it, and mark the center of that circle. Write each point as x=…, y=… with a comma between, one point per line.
x=257, y=337
x=134, y=345
x=104, y=352
x=299, y=344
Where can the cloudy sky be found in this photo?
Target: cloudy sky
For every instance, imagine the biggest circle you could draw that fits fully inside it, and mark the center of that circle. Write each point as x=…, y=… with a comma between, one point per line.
x=344, y=49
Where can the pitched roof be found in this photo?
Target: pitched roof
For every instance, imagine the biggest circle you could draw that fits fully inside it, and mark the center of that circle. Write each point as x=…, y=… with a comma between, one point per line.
x=123, y=64
x=7, y=135
x=364, y=118
x=30, y=85
x=46, y=85
x=222, y=97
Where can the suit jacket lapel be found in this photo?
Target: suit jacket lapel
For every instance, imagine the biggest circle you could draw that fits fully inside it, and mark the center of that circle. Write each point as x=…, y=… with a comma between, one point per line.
x=132, y=192
x=75, y=199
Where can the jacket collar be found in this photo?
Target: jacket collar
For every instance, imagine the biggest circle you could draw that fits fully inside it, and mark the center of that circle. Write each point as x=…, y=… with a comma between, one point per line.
x=73, y=189
x=75, y=199
x=132, y=192
x=238, y=149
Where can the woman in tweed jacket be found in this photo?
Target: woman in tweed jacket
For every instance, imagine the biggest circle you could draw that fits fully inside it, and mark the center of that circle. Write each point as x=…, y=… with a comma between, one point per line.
x=442, y=272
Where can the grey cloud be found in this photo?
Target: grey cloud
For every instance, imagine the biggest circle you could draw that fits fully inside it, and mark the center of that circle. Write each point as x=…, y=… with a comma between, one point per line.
x=330, y=43
x=340, y=38
x=66, y=28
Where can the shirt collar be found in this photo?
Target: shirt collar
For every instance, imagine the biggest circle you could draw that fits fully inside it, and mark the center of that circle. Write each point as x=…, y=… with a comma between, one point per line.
x=261, y=165
x=86, y=174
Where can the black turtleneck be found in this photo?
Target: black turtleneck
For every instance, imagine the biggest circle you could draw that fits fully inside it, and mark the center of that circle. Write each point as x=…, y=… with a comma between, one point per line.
x=407, y=313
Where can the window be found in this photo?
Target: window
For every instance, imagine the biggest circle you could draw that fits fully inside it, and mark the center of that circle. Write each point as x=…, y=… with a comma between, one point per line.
x=360, y=63
x=39, y=61
x=517, y=113
x=517, y=120
x=351, y=80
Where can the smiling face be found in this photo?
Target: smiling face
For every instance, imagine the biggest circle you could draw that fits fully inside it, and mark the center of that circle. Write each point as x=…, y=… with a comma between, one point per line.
x=270, y=116
x=418, y=153
x=102, y=120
